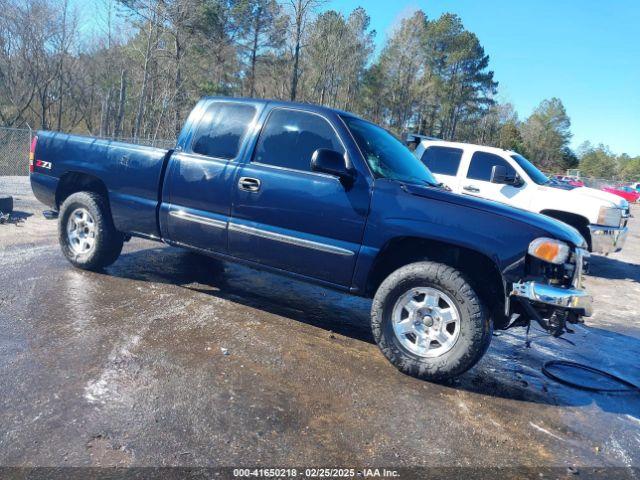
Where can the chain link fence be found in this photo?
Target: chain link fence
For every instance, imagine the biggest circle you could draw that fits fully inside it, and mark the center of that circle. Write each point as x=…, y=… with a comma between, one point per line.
x=15, y=143
x=14, y=151
x=598, y=183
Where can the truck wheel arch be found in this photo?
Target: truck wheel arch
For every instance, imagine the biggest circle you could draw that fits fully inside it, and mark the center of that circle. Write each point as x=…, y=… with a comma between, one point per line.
x=481, y=270
x=72, y=182
x=578, y=222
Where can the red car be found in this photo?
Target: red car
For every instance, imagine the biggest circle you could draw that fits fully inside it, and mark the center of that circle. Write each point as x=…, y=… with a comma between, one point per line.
x=576, y=182
x=627, y=193
x=573, y=181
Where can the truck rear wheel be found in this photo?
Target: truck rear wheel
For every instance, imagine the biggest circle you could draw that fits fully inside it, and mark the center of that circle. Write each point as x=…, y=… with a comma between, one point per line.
x=86, y=232
x=429, y=322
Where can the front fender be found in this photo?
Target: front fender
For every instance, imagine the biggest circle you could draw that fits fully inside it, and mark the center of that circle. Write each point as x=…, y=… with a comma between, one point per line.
x=447, y=218
x=570, y=201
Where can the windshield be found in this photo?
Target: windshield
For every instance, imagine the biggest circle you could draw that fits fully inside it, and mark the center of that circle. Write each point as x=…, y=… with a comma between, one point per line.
x=535, y=174
x=387, y=156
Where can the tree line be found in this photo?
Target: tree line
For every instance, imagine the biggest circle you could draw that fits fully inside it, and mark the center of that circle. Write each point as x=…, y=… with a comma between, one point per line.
x=146, y=63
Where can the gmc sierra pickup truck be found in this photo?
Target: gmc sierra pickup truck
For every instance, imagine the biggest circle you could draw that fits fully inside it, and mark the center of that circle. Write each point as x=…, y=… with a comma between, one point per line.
x=506, y=176
x=326, y=197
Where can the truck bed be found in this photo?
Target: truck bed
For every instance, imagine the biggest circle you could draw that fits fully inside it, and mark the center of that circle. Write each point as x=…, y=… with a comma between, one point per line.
x=131, y=173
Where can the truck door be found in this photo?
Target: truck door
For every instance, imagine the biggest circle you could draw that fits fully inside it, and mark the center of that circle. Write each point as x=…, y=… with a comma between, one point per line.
x=477, y=181
x=444, y=163
x=199, y=182
x=288, y=217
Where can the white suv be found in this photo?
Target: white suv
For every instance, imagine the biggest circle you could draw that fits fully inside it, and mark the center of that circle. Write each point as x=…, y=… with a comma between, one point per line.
x=507, y=177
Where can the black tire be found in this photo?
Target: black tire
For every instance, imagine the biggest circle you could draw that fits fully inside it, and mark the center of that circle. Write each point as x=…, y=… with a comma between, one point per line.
x=6, y=204
x=475, y=326
x=108, y=241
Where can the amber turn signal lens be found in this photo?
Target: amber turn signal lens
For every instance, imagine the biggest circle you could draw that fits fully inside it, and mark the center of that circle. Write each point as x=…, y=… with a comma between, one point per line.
x=549, y=250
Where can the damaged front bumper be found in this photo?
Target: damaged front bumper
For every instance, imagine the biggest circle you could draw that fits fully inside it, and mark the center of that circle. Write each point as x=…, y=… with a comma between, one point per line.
x=565, y=298
x=554, y=304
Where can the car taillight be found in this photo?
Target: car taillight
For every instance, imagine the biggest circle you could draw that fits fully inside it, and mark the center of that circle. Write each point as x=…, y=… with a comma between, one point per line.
x=32, y=153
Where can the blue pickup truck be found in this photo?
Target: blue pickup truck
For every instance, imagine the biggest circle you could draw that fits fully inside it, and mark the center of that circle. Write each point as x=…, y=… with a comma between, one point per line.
x=326, y=197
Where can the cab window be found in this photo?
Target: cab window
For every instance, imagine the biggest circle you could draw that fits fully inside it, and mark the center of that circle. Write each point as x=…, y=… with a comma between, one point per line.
x=482, y=163
x=289, y=138
x=442, y=160
x=222, y=129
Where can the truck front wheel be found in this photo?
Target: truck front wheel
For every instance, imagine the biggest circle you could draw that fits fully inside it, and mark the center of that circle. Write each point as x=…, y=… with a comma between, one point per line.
x=429, y=322
x=86, y=232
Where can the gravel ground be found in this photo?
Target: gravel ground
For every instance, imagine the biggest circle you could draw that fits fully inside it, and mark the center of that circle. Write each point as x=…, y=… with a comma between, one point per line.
x=165, y=359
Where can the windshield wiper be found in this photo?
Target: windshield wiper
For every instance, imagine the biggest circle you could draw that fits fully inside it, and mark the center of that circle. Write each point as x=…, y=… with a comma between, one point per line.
x=426, y=182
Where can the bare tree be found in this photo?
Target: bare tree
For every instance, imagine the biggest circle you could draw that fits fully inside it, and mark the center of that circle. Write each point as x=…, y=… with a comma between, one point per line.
x=262, y=25
x=117, y=129
x=301, y=12
x=338, y=50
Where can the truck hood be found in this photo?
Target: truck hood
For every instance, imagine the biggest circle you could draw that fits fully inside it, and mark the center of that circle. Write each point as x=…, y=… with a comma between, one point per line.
x=606, y=198
x=552, y=227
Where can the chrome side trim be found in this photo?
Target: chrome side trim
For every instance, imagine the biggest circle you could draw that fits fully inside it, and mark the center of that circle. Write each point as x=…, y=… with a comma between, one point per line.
x=198, y=219
x=299, y=242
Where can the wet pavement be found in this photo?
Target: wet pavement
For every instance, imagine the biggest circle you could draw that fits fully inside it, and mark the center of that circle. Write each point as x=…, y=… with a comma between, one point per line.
x=170, y=358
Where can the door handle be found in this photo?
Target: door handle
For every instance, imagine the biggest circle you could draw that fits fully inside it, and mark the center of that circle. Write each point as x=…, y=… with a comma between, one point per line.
x=471, y=188
x=249, y=184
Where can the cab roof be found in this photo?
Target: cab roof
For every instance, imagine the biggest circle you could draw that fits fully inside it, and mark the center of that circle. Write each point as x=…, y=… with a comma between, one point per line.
x=463, y=145
x=283, y=103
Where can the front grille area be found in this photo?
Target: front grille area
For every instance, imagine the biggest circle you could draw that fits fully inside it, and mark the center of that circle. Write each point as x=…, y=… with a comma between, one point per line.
x=545, y=272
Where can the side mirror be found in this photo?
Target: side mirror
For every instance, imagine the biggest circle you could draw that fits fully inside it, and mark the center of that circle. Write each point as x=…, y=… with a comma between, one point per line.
x=328, y=161
x=499, y=175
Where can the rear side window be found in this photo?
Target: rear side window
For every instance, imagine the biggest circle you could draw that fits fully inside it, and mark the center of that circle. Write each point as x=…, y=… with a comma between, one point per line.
x=221, y=129
x=442, y=160
x=289, y=138
x=482, y=164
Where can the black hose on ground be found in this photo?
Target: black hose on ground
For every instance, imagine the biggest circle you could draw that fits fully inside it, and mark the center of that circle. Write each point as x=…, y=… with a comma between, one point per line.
x=628, y=386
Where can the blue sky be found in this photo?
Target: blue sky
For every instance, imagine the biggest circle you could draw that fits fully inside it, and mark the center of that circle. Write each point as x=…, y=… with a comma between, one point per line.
x=585, y=52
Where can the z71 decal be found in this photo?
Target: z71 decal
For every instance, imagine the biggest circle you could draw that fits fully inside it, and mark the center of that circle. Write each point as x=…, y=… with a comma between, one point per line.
x=43, y=164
